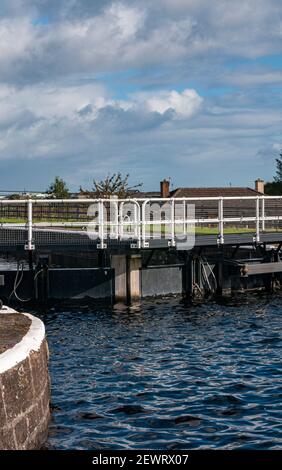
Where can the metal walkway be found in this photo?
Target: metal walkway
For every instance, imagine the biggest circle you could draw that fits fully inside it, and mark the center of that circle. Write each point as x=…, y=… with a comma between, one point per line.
x=86, y=224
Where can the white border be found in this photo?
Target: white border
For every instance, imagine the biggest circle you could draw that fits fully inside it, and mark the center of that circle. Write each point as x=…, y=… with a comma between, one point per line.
x=30, y=342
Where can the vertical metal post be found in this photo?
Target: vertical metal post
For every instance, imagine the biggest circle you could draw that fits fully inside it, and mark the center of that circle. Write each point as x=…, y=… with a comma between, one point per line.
x=138, y=224
x=263, y=214
x=29, y=245
x=221, y=219
x=117, y=219
x=114, y=218
x=120, y=231
x=101, y=223
x=144, y=224
x=184, y=218
x=172, y=222
x=135, y=222
x=257, y=220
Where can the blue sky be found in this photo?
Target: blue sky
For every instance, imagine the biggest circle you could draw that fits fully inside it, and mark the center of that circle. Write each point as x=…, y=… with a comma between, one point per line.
x=182, y=89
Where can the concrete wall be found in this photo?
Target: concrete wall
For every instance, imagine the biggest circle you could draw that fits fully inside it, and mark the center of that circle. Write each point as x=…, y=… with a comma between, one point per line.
x=134, y=266
x=25, y=390
x=127, y=282
x=118, y=263
x=161, y=280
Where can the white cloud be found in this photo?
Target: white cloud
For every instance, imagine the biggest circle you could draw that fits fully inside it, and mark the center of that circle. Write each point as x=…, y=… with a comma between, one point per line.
x=47, y=101
x=64, y=66
x=126, y=20
x=184, y=103
x=93, y=44
x=55, y=120
x=134, y=34
x=254, y=77
x=16, y=37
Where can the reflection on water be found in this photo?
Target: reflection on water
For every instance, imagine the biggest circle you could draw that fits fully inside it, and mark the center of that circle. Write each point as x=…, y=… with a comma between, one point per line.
x=162, y=375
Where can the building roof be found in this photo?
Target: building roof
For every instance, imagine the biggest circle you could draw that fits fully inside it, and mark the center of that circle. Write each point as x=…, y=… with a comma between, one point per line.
x=145, y=194
x=214, y=192
x=184, y=192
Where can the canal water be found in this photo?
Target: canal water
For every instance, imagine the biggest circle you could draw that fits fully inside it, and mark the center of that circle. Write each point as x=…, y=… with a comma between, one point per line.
x=162, y=375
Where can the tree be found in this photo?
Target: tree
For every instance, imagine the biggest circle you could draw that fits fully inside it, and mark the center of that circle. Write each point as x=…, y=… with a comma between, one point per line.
x=115, y=185
x=58, y=189
x=14, y=196
x=278, y=177
x=273, y=189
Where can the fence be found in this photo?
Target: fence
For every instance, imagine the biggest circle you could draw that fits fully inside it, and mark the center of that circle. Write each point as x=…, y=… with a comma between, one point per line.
x=84, y=221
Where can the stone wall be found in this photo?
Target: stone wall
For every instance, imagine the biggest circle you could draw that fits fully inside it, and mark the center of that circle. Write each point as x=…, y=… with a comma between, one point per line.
x=24, y=389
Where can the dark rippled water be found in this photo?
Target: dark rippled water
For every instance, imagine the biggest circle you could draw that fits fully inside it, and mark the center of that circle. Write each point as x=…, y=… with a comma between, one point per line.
x=165, y=376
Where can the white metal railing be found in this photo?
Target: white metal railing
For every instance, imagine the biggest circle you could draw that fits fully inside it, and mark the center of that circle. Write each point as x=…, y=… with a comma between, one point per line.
x=140, y=220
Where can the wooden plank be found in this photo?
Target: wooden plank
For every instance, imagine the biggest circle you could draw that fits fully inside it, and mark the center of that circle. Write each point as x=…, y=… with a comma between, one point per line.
x=262, y=268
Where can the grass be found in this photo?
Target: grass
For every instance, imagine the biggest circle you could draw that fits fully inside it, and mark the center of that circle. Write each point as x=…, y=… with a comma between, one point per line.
x=203, y=230
x=214, y=231
x=18, y=220
x=199, y=230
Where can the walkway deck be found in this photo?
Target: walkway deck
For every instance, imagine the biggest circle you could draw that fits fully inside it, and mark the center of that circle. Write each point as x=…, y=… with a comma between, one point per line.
x=67, y=240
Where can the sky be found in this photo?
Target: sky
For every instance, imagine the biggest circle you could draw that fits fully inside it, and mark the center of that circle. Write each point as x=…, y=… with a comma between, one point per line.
x=183, y=89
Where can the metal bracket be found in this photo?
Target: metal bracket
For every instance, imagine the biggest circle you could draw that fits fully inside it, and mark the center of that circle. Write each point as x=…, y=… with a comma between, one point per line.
x=101, y=246
x=29, y=247
x=220, y=240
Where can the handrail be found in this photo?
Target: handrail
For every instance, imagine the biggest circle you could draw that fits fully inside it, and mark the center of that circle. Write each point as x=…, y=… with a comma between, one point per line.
x=253, y=211
x=91, y=200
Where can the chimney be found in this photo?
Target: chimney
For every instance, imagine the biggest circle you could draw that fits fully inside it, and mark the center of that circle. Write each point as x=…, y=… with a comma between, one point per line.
x=259, y=185
x=165, y=192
